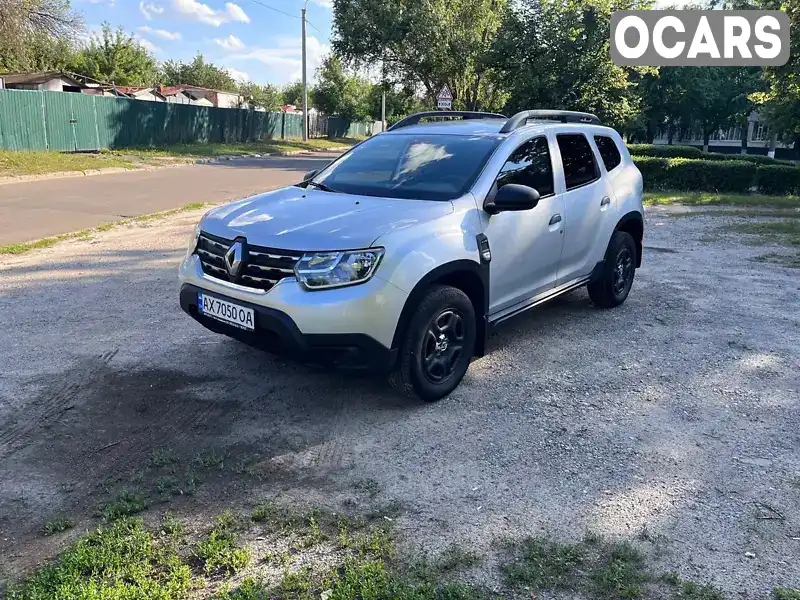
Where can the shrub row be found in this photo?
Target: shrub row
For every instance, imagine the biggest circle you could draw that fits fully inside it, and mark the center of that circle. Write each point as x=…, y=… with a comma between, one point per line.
x=685, y=175
x=698, y=154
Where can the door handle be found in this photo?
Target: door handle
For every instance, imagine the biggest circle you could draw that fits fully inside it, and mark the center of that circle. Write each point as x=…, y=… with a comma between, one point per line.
x=555, y=219
x=605, y=201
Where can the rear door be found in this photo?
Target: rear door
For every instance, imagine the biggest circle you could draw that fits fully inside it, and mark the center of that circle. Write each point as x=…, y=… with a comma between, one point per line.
x=586, y=203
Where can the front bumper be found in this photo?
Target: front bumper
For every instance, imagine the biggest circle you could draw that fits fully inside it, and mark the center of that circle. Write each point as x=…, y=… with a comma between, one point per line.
x=351, y=327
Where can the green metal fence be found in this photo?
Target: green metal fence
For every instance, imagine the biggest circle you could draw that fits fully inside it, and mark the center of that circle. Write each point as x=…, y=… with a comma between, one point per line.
x=64, y=121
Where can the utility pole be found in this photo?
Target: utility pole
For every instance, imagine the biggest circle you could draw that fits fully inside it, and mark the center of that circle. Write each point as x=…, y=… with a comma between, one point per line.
x=383, y=111
x=305, y=82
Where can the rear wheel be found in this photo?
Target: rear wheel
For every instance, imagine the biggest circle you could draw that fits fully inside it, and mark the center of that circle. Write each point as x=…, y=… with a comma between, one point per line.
x=438, y=345
x=614, y=284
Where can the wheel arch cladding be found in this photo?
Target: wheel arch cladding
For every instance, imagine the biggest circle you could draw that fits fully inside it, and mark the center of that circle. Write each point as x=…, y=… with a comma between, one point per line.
x=470, y=277
x=633, y=224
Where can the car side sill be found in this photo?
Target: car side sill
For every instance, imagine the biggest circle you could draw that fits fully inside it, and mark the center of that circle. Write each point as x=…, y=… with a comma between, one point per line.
x=537, y=300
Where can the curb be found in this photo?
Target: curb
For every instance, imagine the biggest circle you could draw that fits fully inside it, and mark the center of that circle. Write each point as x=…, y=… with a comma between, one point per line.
x=197, y=161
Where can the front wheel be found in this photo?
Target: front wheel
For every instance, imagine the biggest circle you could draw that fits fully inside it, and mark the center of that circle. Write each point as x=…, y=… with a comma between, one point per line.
x=615, y=281
x=438, y=345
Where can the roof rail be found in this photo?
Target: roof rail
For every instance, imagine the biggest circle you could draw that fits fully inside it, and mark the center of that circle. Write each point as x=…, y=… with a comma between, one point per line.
x=565, y=116
x=466, y=114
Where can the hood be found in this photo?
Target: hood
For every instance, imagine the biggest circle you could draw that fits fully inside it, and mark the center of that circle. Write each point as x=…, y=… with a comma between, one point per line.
x=294, y=218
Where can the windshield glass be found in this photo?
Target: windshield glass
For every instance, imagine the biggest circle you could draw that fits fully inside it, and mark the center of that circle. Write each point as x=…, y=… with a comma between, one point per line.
x=423, y=167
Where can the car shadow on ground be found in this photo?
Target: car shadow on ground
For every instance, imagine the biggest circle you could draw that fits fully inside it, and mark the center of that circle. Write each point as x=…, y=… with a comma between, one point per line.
x=576, y=418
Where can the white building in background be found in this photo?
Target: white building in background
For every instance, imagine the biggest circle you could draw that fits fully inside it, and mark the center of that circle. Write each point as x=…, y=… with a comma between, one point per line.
x=729, y=140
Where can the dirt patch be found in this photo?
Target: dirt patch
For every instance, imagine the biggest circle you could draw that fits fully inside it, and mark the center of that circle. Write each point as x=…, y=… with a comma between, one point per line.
x=675, y=416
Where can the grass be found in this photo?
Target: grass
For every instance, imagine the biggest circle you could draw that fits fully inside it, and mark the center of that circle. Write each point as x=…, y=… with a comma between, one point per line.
x=14, y=164
x=212, y=150
x=58, y=525
x=713, y=199
x=125, y=504
x=785, y=231
x=787, y=593
x=595, y=568
x=88, y=233
x=218, y=551
x=119, y=562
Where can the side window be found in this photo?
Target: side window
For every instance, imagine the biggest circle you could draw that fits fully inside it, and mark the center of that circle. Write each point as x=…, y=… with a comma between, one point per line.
x=529, y=165
x=578, y=160
x=608, y=152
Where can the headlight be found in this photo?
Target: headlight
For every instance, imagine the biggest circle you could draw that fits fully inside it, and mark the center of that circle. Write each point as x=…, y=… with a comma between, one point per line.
x=321, y=270
x=193, y=239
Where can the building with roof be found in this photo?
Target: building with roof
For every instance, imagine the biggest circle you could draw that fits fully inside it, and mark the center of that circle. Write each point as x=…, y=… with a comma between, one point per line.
x=47, y=81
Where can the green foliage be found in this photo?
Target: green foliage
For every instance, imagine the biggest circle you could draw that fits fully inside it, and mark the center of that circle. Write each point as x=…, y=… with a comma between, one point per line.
x=620, y=572
x=116, y=57
x=125, y=504
x=341, y=93
x=122, y=562
x=268, y=97
x=544, y=563
x=199, y=73
x=555, y=54
x=430, y=43
x=57, y=526
x=665, y=151
x=218, y=552
x=778, y=179
x=293, y=93
x=787, y=594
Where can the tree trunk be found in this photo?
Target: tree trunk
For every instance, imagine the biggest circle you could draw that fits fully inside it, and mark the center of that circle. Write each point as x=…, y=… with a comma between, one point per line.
x=706, y=139
x=745, y=134
x=670, y=134
x=773, y=141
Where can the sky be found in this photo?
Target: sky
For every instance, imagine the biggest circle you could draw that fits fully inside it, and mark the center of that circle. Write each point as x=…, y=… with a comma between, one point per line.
x=251, y=41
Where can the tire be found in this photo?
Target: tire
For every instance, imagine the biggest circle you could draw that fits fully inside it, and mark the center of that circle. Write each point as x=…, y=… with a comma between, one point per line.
x=437, y=345
x=614, y=284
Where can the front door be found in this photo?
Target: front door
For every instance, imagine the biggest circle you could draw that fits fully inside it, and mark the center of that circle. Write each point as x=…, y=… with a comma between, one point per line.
x=526, y=245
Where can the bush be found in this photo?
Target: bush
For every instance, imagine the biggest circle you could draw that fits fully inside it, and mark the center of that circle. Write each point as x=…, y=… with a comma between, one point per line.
x=779, y=180
x=654, y=172
x=685, y=175
x=665, y=151
x=697, y=154
x=710, y=175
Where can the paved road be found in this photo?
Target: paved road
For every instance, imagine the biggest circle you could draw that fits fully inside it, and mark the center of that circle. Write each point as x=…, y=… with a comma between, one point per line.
x=38, y=209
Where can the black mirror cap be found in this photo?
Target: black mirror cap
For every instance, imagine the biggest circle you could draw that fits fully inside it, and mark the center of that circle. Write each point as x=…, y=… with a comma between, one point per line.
x=310, y=174
x=512, y=197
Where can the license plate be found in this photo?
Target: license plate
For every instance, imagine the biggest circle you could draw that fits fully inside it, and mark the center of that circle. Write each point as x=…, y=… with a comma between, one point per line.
x=227, y=312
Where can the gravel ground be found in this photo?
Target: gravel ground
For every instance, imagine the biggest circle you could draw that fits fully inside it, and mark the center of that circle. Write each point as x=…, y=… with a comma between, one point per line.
x=674, y=418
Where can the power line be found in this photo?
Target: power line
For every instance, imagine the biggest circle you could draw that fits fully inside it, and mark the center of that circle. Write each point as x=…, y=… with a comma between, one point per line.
x=283, y=12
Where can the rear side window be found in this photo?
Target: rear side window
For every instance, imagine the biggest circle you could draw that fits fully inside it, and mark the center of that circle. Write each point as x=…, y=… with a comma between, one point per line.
x=529, y=165
x=608, y=152
x=578, y=160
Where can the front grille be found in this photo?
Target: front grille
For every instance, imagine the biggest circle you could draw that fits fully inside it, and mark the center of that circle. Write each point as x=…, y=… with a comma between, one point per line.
x=262, y=267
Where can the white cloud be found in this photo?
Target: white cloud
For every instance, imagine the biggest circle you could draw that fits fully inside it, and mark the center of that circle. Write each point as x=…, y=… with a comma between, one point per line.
x=325, y=3
x=162, y=33
x=285, y=60
x=148, y=45
x=237, y=74
x=197, y=11
x=150, y=9
x=231, y=43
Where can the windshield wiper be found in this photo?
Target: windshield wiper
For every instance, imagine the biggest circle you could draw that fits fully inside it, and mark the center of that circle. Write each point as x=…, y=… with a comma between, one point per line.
x=320, y=186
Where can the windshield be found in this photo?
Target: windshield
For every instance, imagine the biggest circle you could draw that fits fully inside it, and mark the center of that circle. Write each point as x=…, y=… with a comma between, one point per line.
x=423, y=167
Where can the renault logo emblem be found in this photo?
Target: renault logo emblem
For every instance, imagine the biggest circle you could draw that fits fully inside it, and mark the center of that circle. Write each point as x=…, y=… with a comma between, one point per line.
x=233, y=258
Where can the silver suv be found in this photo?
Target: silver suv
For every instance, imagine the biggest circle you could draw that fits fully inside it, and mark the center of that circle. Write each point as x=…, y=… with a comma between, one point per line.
x=402, y=254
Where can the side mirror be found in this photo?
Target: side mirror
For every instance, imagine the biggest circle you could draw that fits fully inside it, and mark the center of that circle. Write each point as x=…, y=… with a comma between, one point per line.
x=512, y=197
x=310, y=174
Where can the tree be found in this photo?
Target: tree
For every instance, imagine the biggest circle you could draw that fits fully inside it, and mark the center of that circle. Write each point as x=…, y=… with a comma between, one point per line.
x=429, y=42
x=293, y=93
x=340, y=93
x=555, y=54
x=400, y=100
x=268, y=96
x=37, y=34
x=116, y=57
x=198, y=73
